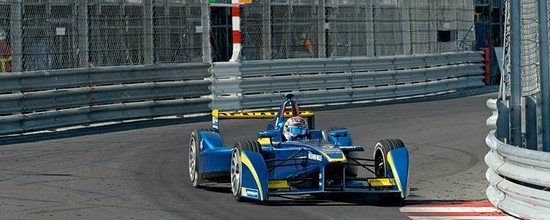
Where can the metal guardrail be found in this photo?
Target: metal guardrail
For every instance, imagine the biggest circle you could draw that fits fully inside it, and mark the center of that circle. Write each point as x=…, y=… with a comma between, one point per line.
x=519, y=178
x=40, y=100
x=33, y=101
x=259, y=84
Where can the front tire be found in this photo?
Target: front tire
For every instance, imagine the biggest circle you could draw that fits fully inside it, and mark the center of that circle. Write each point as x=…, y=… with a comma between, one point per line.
x=382, y=169
x=236, y=165
x=381, y=150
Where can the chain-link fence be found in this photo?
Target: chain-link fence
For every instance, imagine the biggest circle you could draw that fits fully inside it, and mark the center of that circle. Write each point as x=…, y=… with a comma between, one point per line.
x=529, y=53
x=58, y=34
x=279, y=29
x=528, y=127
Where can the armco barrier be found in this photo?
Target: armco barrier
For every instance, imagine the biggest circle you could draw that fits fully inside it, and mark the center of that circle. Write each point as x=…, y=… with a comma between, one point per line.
x=259, y=84
x=33, y=101
x=39, y=100
x=519, y=178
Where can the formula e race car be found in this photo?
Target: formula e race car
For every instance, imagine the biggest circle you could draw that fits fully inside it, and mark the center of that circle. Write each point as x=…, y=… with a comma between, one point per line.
x=322, y=162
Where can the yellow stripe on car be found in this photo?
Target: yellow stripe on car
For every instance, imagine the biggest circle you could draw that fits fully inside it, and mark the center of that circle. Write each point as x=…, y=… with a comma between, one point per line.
x=256, y=115
x=264, y=141
x=278, y=184
x=248, y=164
x=332, y=160
x=381, y=182
x=394, y=172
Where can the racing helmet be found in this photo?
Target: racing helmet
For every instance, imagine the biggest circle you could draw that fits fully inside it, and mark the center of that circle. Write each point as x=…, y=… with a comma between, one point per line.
x=3, y=34
x=294, y=128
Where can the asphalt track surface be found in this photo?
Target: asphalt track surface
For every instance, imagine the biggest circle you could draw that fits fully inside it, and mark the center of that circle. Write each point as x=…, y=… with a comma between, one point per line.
x=142, y=173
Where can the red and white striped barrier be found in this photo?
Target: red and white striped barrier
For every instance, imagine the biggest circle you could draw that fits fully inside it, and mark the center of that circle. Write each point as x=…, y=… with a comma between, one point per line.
x=236, y=27
x=455, y=210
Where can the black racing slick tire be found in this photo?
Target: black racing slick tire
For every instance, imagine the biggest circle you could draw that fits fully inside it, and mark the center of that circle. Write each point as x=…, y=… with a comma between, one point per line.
x=382, y=169
x=236, y=165
x=194, y=160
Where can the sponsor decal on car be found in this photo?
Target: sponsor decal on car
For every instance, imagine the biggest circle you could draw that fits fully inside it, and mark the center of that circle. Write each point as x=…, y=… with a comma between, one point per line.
x=333, y=154
x=250, y=193
x=313, y=156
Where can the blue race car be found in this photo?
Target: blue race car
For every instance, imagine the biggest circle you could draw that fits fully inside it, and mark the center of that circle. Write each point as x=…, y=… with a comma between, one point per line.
x=290, y=159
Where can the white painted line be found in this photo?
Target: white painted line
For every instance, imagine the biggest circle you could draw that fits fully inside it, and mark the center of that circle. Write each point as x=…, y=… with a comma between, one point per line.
x=462, y=217
x=448, y=209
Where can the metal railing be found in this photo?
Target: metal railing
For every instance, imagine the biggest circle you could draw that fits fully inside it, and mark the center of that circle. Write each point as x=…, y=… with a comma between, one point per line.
x=32, y=101
x=41, y=100
x=259, y=84
x=519, y=178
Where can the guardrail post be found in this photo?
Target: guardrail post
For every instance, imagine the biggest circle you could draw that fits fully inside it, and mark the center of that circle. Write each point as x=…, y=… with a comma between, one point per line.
x=544, y=74
x=16, y=33
x=515, y=62
x=83, y=44
x=266, y=30
x=148, y=32
x=321, y=40
x=205, y=31
x=531, y=123
x=503, y=122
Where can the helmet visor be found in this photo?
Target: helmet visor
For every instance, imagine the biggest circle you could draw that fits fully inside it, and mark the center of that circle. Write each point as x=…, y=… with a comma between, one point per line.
x=297, y=130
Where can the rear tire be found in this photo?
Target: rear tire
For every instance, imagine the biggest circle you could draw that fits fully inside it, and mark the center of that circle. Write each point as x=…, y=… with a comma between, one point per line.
x=194, y=160
x=236, y=165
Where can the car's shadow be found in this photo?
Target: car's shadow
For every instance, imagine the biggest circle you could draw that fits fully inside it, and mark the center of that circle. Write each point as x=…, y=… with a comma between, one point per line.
x=337, y=199
x=345, y=199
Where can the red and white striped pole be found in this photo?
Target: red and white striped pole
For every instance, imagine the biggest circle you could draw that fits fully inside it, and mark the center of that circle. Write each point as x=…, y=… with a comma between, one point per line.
x=236, y=26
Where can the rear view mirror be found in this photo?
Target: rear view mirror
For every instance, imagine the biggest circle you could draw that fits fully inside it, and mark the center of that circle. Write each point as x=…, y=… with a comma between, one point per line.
x=268, y=134
x=339, y=133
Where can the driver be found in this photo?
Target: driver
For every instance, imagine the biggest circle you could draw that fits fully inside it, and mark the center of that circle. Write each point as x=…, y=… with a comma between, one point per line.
x=295, y=128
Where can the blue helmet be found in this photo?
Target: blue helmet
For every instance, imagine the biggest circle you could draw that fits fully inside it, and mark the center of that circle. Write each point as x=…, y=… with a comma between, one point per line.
x=295, y=127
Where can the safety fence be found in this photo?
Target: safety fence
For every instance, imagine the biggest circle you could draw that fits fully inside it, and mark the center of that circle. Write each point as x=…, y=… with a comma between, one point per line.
x=260, y=84
x=344, y=28
x=519, y=178
x=39, y=100
x=61, y=34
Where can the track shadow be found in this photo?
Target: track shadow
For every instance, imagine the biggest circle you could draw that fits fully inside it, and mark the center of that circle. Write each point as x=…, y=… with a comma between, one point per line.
x=123, y=126
x=334, y=199
x=347, y=199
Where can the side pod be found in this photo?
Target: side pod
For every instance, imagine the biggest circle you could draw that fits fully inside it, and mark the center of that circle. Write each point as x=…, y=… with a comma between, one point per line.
x=254, y=176
x=398, y=160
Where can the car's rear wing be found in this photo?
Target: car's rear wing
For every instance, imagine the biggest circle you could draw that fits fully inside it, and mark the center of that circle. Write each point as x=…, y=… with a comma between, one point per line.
x=217, y=115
